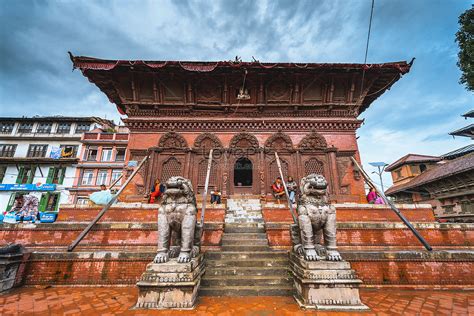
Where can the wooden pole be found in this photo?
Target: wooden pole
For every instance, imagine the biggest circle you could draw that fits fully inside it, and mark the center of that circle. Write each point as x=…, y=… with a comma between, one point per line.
x=105, y=208
x=206, y=185
x=290, y=204
x=115, y=182
x=392, y=206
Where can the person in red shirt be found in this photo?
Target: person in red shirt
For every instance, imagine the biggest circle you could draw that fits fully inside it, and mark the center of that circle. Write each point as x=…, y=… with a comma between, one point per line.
x=278, y=189
x=157, y=191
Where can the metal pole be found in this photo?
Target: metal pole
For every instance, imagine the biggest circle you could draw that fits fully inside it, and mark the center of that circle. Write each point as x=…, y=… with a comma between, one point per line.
x=286, y=189
x=105, y=208
x=206, y=185
x=393, y=207
x=380, y=176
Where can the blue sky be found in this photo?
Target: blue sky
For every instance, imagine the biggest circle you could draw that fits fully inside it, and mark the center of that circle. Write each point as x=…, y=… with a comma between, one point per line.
x=414, y=116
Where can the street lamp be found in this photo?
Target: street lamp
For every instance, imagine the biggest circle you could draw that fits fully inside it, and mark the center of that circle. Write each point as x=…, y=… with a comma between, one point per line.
x=381, y=167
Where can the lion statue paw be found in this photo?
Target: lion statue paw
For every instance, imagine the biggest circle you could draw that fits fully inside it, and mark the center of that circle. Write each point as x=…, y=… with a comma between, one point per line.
x=184, y=257
x=161, y=257
x=333, y=255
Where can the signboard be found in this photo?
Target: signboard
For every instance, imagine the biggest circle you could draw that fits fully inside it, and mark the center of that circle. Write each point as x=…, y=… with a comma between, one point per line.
x=27, y=187
x=55, y=153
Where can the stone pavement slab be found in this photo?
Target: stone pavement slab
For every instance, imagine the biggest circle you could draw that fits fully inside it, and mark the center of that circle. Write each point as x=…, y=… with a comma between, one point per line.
x=119, y=300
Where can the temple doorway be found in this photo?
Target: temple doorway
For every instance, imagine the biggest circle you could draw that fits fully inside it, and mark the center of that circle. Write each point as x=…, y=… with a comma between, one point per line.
x=243, y=171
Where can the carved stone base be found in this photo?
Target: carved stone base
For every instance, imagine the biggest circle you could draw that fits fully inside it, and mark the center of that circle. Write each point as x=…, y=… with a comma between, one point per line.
x=325, y=285
x=170, y=285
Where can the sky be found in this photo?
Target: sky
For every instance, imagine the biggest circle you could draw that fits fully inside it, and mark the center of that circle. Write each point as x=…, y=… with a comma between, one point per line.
x=415, y=116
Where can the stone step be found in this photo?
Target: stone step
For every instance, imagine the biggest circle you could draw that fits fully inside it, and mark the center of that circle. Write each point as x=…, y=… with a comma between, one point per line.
x=241, y=247
x=247, y=255
x=249, y=263
x=248, y=280
x=244, y=242
x=244, y=220
x=246, y=271
x=244, y=236
x=270, y=290
x=252, y=228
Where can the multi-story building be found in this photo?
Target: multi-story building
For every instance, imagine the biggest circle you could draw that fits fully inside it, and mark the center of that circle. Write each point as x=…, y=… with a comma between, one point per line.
x=102, y=159
x=446, y=182
x=38, y=155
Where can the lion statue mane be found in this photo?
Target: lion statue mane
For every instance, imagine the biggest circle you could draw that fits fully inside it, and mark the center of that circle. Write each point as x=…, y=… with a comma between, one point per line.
x=179, y=234
x=316, y=220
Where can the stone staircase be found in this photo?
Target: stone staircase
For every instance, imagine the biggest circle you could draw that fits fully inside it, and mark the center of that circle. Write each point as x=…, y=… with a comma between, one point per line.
x=246, y=266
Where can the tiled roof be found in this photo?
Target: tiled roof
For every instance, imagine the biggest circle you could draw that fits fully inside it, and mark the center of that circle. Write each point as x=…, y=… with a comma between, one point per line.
x=459, y=152
x=442, y=170
x=469, y=114
x=467, y=131
x=411, y=158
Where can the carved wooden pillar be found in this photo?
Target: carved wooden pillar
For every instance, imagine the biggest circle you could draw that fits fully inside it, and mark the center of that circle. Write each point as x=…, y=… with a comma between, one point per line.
x=225, y=174
x=188, y=165
x=260, y=91
x=334, y=174
x=261, y=168
x=296, y=161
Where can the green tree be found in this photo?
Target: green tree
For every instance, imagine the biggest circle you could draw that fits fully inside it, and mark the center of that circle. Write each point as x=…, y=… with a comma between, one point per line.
x=465, y=39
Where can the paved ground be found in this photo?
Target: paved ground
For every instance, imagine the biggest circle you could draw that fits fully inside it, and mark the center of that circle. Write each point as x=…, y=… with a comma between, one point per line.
x=118, y=300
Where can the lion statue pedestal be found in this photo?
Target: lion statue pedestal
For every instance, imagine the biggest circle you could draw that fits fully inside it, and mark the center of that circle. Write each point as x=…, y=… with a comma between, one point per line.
x=172, y=280
x=322, y=279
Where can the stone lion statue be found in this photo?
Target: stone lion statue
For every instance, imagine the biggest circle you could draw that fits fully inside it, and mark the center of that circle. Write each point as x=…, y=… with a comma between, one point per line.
x=179, y=234
x=316, y=219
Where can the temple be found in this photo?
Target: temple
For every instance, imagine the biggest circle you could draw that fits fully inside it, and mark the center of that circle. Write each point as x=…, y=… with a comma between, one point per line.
x=307, y=112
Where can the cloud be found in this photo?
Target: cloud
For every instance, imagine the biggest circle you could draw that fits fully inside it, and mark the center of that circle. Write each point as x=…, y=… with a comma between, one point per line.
x=414, y=116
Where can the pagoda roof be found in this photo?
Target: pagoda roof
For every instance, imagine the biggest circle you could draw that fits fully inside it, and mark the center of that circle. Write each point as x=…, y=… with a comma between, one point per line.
x=467, y=131
x=99, y=71
x=459, y=152
x=411, y=158
x=469, y=114
x=442, y=170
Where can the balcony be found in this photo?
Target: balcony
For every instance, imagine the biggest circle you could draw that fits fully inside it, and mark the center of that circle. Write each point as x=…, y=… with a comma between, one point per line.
x=105, y=137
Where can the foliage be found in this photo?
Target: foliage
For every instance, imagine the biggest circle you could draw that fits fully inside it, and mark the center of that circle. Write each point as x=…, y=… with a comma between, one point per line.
x=465, y=40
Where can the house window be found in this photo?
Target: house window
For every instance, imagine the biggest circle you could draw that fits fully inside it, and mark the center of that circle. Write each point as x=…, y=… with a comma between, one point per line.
x=3, y=170
x=37, y=151
x=44, y=128
x=422, y=168
x=82, y=200
x=87, y=177
x=101, y=177
x=106, y=154
x=120, y=156
x=64, y=128
x=398, y=173
x=49, y=202
x=6, y=127
x=7, y=150
x=91, y=154
x=82, y=128
x=25, y=128
x=26, y=175
x=68, y=151
x=56, y=175
x=116, y=173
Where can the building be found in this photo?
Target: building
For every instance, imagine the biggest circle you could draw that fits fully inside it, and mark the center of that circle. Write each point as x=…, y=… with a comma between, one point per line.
x=102, y=159
x=38, y=155
x=307, y=112
x=410, y=166
x=446, y=182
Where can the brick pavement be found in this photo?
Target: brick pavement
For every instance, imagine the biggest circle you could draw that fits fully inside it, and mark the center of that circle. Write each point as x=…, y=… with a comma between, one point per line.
x=119, y=300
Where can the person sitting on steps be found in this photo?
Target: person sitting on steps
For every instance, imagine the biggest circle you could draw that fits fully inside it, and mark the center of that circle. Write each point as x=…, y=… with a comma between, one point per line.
x=278, y=189
x=216, y=196
x=292, y=187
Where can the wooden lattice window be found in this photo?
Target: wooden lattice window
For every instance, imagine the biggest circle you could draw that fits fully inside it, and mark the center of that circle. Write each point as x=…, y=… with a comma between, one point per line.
x=202, y=171
x=313, y=165
x=275, y=173
x=171, y=168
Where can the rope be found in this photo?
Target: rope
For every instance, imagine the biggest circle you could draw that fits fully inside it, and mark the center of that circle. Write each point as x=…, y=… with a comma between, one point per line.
x=367, y=47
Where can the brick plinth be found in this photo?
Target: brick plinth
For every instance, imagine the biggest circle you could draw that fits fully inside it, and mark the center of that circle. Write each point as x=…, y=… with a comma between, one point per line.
x=405, y=268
